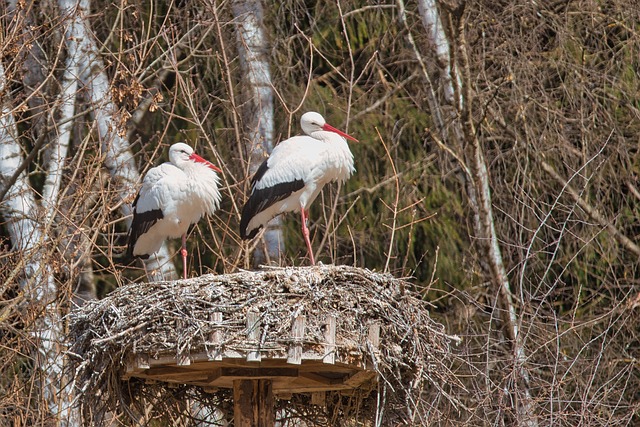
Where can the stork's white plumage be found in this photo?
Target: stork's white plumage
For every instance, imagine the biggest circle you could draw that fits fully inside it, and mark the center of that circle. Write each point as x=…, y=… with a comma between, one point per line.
x=173, y=196
x=294, y=174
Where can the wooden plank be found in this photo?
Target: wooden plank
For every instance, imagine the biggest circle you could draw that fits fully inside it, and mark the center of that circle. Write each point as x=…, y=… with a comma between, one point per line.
x=374, y=335
x=142, y=361
x=182, y=356
x=330, y=340
x=235, y=356
x=297, y=333
x=321, y=379
x=360, y=378
x=216, y=336
x=253, y=335
x=253, y=403
x=373, y=341
x=166, y=373
x=136, y=364
x=214, y=374
x=255, y=373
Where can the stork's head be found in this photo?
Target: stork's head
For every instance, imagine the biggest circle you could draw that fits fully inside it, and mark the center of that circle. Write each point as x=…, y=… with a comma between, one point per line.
x=180, y=153
x=312, y=122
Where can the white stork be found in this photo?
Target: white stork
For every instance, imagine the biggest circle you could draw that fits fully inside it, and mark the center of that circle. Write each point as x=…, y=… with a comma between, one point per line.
x=173, y=196
x=294, y=174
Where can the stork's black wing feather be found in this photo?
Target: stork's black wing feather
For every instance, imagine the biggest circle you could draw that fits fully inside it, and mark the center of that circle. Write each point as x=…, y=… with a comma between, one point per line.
x=264, y=198
x=142, y=222
x=264, y=167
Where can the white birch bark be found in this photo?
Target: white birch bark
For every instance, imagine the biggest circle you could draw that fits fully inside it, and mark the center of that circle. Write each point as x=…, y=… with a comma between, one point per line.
x=116, y=151
x=57, y=153
x=466, y=148
x=434, y=104
x=258, y=113
x=432, y=23
x=20, y=212
x=479, y=189
x=60, y=141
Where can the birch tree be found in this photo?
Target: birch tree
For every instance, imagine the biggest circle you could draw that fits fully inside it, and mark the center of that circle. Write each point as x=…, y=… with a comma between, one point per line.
x=257, y=106
x=34, y=274
x=116, y=150
x=462, y=142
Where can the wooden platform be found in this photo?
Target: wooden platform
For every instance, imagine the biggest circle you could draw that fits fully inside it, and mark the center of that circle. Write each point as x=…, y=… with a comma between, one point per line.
x=296, y=368
x=267, y=336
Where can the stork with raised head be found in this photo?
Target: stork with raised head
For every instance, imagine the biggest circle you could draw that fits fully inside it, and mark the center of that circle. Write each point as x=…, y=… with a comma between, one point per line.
x=294, y=174
x=173, y=196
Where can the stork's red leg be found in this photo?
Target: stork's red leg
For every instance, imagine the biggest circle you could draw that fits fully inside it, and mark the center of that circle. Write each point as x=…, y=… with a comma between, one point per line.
x=183, y=251
x=305, y=233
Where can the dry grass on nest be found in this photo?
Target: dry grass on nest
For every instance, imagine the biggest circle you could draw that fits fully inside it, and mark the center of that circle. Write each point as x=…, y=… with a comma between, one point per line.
x=171, y=317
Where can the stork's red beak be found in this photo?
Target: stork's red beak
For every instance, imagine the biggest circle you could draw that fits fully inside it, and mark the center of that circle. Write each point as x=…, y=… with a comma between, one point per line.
x=199, y=159
x=339, y=132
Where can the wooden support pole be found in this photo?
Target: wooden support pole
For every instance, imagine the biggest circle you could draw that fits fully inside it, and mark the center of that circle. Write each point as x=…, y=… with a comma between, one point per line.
x=253, y=403
x=319, y=398
x=373, y=340
x=373, y=337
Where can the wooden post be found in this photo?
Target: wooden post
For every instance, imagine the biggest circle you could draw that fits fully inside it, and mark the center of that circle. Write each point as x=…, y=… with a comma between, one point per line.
x=330, y=341
x=253, y=403
x=253, y=336
x=216, y=335
x=373, y=337
x=297, y=333
x=373, y=340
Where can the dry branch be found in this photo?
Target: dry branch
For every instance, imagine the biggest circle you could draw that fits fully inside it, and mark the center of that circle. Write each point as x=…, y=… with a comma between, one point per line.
x=593, y=213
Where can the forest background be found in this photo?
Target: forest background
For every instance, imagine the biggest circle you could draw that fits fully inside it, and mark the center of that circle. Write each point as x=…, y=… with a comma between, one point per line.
x=497, y=168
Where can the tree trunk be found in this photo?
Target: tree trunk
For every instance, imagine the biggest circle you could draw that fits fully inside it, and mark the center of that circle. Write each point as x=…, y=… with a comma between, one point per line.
x=116, y=151
x=257, y=105
x=435, y=30
x=484, y=226
x=27, y=236
x=464, y=145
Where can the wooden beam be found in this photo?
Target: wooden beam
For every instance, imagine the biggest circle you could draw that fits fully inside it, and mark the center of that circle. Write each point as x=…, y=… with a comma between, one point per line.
x=252, y=373
x=360, y=378
x=322, y=379
x=253, y=403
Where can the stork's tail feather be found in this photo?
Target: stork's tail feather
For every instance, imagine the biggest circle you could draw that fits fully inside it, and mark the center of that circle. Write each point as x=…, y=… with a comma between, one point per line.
x=248, y=212
x=126, y=259
x=248, y=236
x=244, y=223
x=129, y=253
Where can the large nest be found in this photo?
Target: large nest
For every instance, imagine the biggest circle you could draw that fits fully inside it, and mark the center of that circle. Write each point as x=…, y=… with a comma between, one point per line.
x=412, y=359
